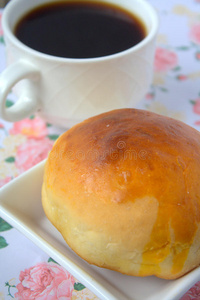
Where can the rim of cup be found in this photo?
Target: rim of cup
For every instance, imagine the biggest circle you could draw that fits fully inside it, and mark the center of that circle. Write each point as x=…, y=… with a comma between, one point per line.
x=14, y=4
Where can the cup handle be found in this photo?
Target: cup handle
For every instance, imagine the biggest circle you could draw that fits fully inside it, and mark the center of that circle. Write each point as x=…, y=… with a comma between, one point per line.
x=28, y=103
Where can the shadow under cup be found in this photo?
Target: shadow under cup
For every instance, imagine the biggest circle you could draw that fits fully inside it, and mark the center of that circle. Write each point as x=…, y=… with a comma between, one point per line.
x=67, y=90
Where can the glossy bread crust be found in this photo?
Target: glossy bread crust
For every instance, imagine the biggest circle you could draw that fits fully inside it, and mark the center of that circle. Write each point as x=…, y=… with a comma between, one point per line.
x=123, y=189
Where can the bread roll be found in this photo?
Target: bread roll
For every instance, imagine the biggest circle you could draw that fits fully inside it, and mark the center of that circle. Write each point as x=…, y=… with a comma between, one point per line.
x=123, y=188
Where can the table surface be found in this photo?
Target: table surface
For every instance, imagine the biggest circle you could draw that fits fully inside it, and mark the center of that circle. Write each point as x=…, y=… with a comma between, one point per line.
x=175, y=92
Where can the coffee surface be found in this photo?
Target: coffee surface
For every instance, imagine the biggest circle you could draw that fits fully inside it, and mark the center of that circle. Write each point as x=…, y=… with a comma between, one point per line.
x=79, y=29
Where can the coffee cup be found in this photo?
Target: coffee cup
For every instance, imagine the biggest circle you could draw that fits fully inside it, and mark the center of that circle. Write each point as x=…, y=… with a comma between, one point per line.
x=66, y=90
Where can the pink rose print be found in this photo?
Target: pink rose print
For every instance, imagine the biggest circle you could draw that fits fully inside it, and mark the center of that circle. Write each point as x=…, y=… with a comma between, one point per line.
x=195, y=33
x=165, y=60
x=45, y=281
x=196, y=107
x=5, y=180
x=31, y=153
x=149, y=96
x=193, y=293
x=181, y=77
x=198, y=55
x=32, y=128
x=1, y=30
x=197, y=123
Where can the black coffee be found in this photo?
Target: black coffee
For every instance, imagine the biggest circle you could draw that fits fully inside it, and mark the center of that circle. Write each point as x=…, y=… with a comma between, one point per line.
x=80, y=29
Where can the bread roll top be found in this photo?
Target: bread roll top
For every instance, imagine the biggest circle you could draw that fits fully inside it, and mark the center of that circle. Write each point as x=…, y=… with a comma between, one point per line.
x=128, y=182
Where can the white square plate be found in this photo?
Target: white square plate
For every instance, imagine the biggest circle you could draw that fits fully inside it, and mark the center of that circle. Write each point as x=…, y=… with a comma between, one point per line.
x=20, y=205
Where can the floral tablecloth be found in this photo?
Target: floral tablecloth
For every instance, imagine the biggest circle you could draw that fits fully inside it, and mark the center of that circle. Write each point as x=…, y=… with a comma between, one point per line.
x=26, y=272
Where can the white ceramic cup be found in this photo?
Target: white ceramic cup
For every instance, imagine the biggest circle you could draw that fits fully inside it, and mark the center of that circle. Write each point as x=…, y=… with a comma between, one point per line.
x=65, y=91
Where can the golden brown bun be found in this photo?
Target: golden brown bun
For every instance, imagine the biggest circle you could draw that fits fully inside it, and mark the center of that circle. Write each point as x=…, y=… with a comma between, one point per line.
x=123, y=188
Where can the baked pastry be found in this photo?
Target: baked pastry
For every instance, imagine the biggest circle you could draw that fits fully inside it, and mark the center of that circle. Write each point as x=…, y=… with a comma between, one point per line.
x=123, y=189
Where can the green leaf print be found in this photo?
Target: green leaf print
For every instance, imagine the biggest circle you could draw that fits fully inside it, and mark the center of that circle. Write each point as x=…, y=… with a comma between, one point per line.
x=4, y=226
x=2, y=40
x=10, y=159
x=52, y=260
x=53, y=136
x=163, y=89
x=79, y=286
x=9, y=289
x=177, y=68
x=3, y=243
x=183, y=48
x=9, y=103
x=193, y=102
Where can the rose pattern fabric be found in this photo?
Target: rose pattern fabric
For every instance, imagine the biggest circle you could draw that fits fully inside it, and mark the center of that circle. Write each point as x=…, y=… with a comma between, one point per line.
x=195, y=33
x=31, y=127
x=1, y=29
x=165, y=60
x=193, y=293
x=32, y=152
x=196, y=107
x=45, y=281
x=175, y=92
x=4, y=181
